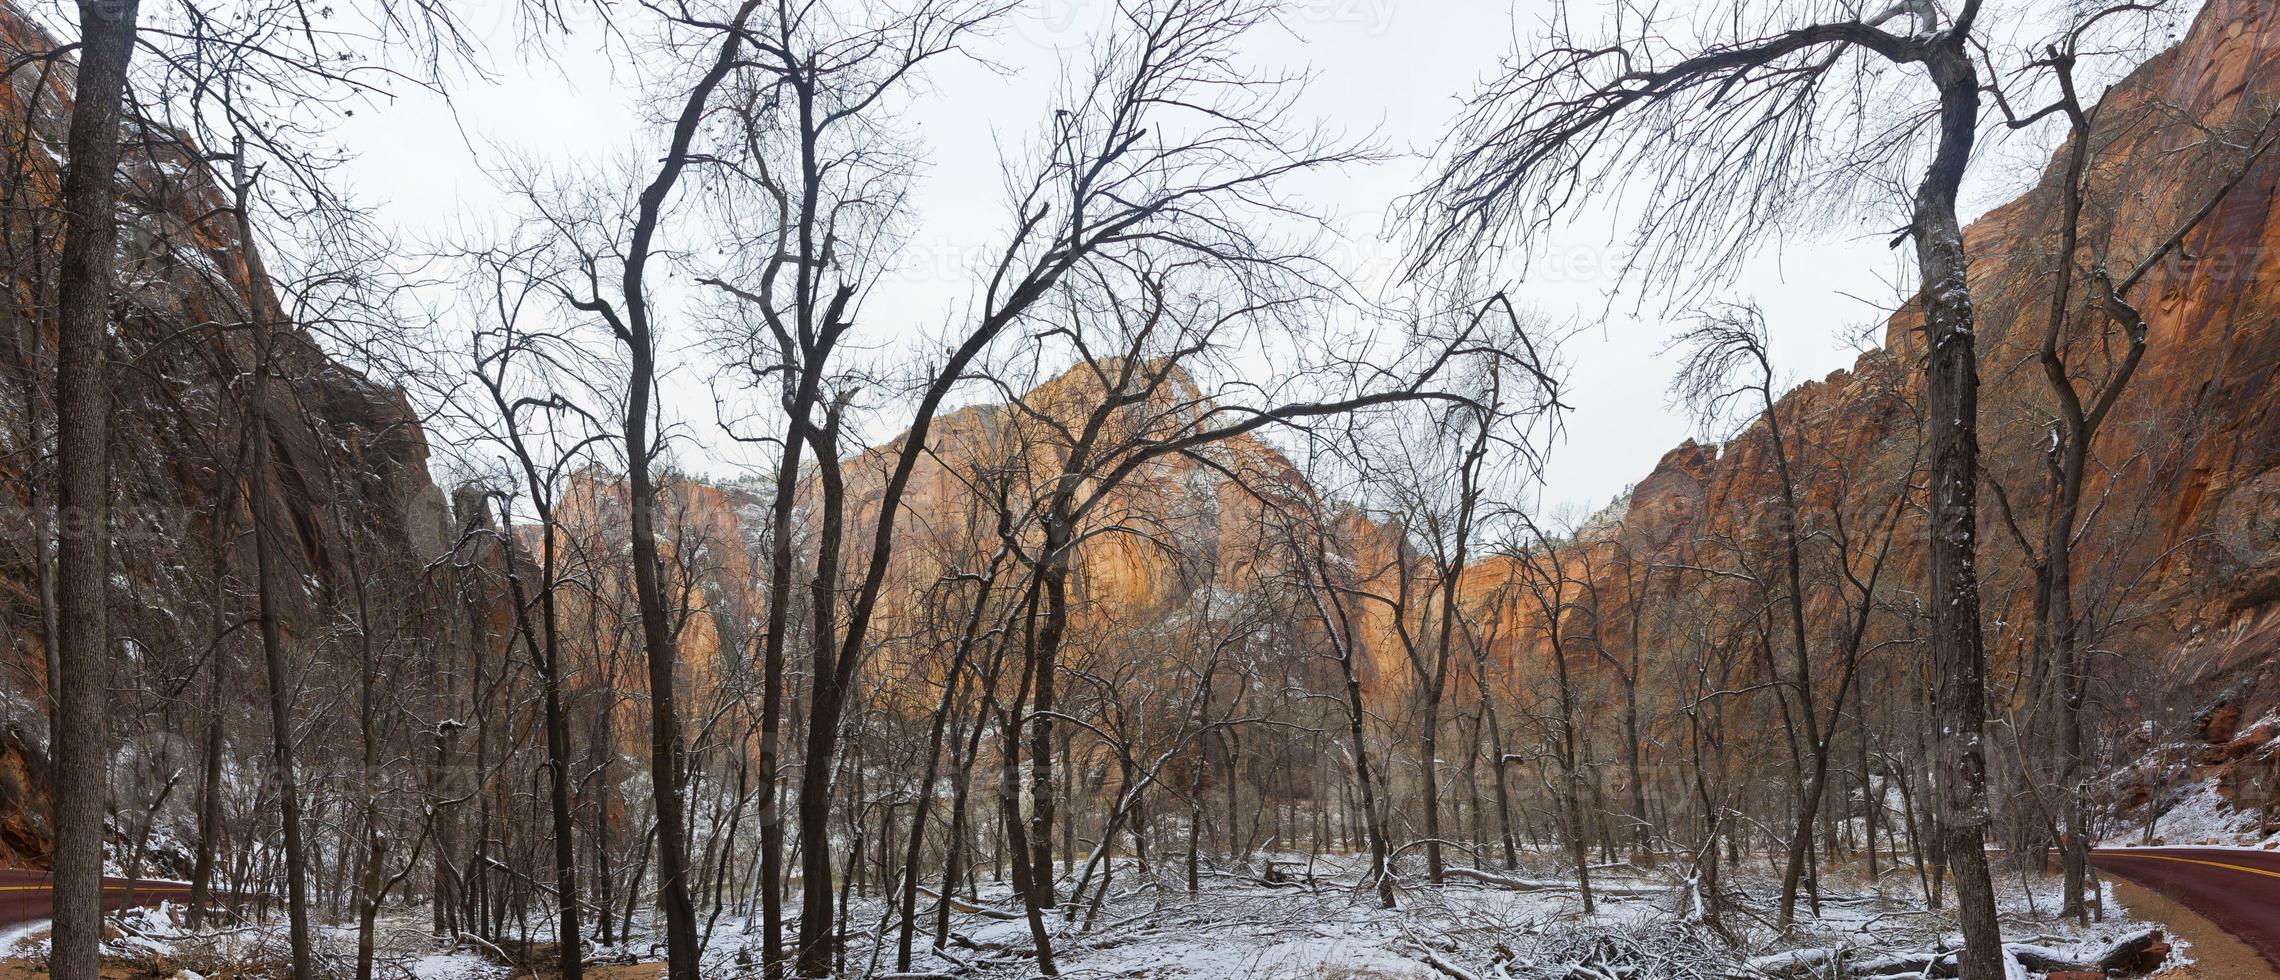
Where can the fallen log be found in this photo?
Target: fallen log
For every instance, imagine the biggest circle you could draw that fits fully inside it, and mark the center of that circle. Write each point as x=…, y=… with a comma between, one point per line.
x=1609, y=889
x=970, y=908
x=2143, y=951
x=1914, y=966
x=1433, y=958
x=1447, y=967
x=1797, y=963
x=2138, y=953
x=1495, y=880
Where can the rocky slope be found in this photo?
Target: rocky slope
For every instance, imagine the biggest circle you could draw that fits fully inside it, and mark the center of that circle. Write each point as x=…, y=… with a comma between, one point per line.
x=352, y=459
x=2181, y=565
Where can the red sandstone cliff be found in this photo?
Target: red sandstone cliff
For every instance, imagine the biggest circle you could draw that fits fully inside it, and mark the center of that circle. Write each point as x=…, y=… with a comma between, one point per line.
x=2182, y=562
x=351, y=456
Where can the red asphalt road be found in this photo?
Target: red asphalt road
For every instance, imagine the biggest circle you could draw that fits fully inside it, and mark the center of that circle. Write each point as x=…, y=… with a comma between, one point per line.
x=2237, y=890
x=29, y=896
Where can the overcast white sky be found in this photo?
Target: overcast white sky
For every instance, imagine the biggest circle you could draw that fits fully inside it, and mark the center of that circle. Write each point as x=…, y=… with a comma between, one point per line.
x=1396, y=67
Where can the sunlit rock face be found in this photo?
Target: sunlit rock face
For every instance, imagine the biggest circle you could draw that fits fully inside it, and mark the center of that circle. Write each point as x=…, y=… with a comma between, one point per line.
x=2180, y=568
x=1183, y=539
x=2194, y=448
x=2192, y=455
x=2182, y=553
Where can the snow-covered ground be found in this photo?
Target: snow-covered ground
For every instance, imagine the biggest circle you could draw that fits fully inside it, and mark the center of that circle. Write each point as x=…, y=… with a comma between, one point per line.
x=1238, y=929
x=153, y=942
x=1320, y=926
x=2200, y=816
x=2189, y=788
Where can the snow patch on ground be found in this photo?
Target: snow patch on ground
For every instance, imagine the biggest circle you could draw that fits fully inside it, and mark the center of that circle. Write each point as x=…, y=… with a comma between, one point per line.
x=1332, y=928
x=1323, y=924
x=16, y=940
x=460, y=965
x=2200, y=814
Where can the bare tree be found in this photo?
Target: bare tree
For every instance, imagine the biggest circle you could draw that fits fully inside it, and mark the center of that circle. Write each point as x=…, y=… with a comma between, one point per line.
x=1555, y=591
x=1330, y=589
x=177, y=78
x=1435, y=474
x=523, y=369
x=83, y=411
x=1561, y=121
x=813, y=154
x=1107, y=184
x=270, y=523
x=1726, y=358
x=626, y=308
x=2092, y=306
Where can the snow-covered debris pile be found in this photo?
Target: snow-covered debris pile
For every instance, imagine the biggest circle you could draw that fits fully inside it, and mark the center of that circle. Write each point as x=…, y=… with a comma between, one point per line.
x=1630, y=949
x=455, y=965
x=1817, y=962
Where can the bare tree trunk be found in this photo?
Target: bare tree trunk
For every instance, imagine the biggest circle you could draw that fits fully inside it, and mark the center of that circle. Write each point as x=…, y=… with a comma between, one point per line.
x=1642, y=836
x=1338, y=623
x=1959, y=659
x=372, y=883
x=827, y=702
x=1503, y=791
x=605, y=743
x=772, y=695
x=558, y=777
x=270, y=574
x=943, y=714
x=542, y=641
x=1016, y=844
x=1373, y=819
x=269, y=521
x=1571, y=769
x=210, y=777
x=955, y=860
x=667, y=752
x=1872, y=804
x=83, y=410
x=1809, y=799
x=1429, y=766
x=209, y=801
x=1054, y=579
x=368, y=904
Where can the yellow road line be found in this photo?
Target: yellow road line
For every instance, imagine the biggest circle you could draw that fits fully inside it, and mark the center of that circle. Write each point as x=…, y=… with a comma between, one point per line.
x=2180, y=860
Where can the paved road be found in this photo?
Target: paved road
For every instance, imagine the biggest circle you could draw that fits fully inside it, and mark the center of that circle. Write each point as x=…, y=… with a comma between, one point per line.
x=2238, y=890
x=29, y=896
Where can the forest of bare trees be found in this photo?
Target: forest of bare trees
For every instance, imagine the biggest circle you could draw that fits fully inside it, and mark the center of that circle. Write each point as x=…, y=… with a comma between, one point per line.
x=374, y=586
